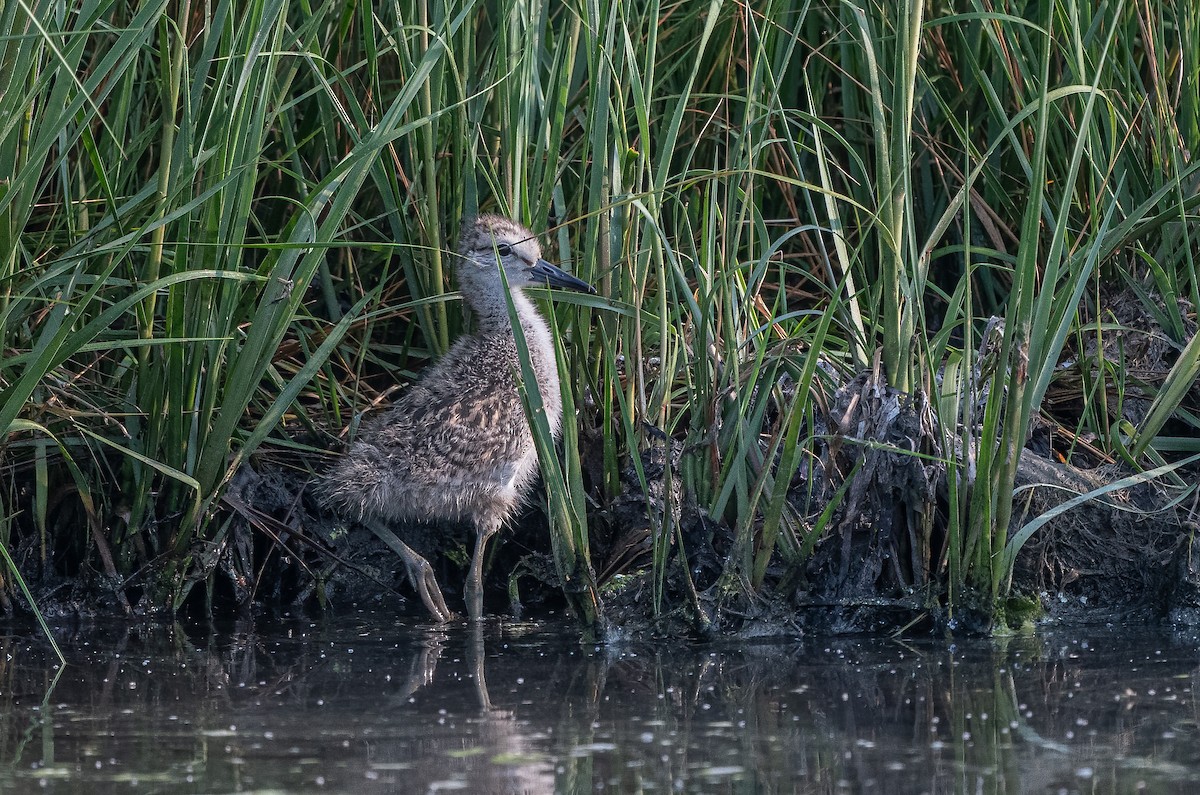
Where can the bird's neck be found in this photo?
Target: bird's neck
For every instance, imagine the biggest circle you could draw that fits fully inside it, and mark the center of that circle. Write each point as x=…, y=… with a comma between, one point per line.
x=493, y=317
x=539, y=343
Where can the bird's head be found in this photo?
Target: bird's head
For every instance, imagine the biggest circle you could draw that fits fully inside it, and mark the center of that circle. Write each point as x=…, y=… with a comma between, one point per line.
x=490, y=241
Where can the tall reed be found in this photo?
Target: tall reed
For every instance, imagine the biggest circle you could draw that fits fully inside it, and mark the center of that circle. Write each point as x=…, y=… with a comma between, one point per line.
x=215, y=217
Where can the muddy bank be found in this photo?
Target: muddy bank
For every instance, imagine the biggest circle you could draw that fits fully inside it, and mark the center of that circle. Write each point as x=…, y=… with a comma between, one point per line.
x=1127, y=554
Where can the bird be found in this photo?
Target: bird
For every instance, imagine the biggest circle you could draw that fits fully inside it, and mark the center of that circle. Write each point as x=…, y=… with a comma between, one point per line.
x=456, y=446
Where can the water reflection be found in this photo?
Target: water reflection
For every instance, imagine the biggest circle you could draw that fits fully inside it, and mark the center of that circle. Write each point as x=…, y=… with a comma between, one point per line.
x=367, y=703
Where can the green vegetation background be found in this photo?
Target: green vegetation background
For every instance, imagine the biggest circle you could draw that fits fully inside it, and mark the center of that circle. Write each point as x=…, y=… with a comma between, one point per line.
x=220, y=218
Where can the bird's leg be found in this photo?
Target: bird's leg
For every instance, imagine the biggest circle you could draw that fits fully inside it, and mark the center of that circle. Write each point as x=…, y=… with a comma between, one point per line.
x=474, y=590
x=420, y=573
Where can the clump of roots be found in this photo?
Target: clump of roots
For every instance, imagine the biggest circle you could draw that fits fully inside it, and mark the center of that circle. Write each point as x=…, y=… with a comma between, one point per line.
x=886, y=443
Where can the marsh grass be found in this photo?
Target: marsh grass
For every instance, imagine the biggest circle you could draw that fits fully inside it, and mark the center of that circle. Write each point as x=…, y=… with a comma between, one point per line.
x=224, y=232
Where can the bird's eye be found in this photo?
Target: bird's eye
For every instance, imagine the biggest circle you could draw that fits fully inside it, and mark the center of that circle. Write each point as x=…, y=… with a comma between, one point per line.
x=504, y=250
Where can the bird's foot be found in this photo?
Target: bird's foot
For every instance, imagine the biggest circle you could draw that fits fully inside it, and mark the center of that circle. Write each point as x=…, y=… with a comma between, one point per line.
x=420, y=574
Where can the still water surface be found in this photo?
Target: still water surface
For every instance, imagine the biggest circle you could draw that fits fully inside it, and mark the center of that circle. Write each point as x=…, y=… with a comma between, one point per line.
x=373, y=703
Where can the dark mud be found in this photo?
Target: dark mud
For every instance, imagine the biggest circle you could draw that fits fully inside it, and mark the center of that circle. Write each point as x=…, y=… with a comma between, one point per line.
x=1119, y=557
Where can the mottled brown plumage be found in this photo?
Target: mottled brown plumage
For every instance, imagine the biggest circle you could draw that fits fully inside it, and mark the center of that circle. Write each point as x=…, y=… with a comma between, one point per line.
x=456, y=446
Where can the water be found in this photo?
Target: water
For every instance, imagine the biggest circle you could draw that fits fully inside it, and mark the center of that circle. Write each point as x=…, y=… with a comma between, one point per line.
x=368, y=703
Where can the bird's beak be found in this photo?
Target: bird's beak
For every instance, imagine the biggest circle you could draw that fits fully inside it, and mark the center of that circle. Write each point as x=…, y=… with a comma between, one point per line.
x=557, y=277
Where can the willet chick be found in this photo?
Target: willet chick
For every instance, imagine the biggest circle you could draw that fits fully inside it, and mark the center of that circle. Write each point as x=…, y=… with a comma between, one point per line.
x=456, y=446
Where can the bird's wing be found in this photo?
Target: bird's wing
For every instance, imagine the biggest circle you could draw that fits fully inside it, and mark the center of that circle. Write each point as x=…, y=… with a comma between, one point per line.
x=445, y=430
